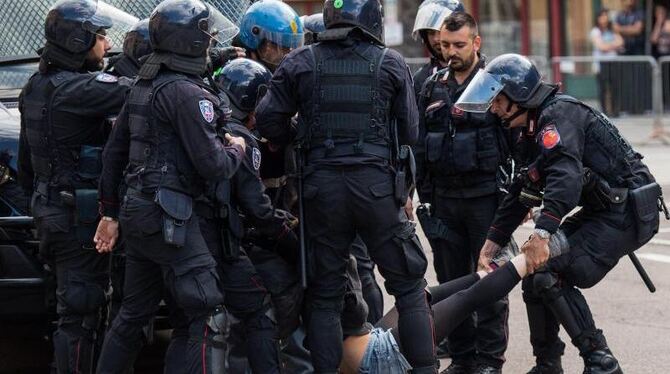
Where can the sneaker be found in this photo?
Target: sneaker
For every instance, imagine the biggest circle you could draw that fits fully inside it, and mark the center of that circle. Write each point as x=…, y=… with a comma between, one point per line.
x=487, y=369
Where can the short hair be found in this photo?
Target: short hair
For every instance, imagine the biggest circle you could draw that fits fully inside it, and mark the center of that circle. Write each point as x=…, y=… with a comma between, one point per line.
x=457, y=20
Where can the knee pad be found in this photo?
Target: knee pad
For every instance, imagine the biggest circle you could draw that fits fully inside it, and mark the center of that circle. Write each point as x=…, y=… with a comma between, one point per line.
x=416, y=262
x=545, y=284
x=83, y=294
x=197, y=288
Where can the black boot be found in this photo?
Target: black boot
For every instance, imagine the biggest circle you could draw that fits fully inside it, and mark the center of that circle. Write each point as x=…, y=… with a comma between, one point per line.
x=552, y=366
x=460, y=367
x=601, y=362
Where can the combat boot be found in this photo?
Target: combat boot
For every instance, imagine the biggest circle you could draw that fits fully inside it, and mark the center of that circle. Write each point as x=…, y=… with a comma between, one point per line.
x=552, y=366
x=456, y=367
x=601, y=362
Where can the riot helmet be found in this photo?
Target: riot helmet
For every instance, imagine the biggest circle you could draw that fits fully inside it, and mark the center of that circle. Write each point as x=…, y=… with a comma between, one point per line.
x=432, y=13
x=188, y=27
x=73, y=25
x=313, y=25
x=272, y=29
x=430, y=18
x=244, y=81
x=511, y=74
x=365, y=15
x=136, y=44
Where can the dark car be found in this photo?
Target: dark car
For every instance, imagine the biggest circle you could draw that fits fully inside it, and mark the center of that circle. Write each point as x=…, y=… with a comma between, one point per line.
x=24, y=280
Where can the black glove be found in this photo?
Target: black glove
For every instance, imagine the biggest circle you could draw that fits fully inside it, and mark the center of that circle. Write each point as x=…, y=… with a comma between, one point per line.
x=220, y=56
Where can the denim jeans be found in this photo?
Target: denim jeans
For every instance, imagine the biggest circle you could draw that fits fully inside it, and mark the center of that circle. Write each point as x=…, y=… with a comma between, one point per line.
x=383, y=355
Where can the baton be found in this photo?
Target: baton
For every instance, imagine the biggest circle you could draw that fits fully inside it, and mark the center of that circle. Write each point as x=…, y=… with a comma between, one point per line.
x=301, y=220
x=643, y=273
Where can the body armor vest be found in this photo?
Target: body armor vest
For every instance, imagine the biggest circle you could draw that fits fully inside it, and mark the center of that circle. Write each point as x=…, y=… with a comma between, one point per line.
x=350, y=115
x=462, y=148
x=64, y=167
x=606, y=152
x=156, y=156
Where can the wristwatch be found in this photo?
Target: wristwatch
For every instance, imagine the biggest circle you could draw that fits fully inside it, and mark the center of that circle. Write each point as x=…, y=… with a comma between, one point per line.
x=108, y=219
x=542, y=233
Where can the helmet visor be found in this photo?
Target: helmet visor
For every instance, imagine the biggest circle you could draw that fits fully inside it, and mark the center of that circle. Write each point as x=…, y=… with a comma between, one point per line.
x=113, y=20
x=219, y=27
x=480, y=93
x=430, y=17
x=291, y=40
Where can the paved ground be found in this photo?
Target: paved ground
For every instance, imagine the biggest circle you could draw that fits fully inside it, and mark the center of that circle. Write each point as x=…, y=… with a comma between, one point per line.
x=635, y=321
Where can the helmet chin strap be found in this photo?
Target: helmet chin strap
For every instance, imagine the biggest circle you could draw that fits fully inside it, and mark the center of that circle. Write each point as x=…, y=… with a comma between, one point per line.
x=519, y=112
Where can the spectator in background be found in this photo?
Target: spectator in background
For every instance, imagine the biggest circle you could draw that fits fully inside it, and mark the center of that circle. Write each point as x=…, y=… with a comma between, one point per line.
x=630, y=24
x=660, y=35
x=606, y=42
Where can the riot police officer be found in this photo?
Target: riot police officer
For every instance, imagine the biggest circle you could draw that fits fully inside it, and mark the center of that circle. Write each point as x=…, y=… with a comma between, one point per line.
x=269, y=29
x=355, y=101
x=165, y=139
x=372, y=293
x=572, y=156
x=135, y=46
x=458, y=162
x=64, y=111
x=427, y=25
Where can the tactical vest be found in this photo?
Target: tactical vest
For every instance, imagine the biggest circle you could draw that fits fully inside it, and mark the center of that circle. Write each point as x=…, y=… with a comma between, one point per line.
x=156, y=156
x=606, y=152
x=350, y=114
x=462, y=149
x=56, y=165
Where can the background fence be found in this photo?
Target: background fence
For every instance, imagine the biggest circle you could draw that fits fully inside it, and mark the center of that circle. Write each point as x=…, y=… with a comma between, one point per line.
x=22, y=25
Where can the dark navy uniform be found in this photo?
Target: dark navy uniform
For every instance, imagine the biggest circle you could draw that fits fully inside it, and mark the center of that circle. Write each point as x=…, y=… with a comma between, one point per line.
x=63, y=128
x=349, y=182
x=571, y=140
x=170, y=146
x=247, y=298
x=425, y=72
x=457, y=164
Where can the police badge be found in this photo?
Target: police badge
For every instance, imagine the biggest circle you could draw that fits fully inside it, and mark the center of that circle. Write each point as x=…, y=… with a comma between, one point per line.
x=256, y=158
x=207, y=110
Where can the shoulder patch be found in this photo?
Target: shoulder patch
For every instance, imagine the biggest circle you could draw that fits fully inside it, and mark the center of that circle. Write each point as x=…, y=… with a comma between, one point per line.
x=256, y=158
x=106, y=78
x=457, y=112
x=207, y=110
x=549, y=136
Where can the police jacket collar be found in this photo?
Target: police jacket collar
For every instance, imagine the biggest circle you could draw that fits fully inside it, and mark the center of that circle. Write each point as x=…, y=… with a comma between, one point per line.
x=188, y=65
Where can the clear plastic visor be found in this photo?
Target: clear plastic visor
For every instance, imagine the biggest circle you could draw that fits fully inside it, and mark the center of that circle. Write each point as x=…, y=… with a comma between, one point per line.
x=115, y=21
x=219, y=27
x=430, y=17
x=289, y=40
x=480, y=93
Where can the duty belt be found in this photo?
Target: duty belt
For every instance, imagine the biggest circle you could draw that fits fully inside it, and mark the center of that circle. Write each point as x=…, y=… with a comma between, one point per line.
x=347, y=149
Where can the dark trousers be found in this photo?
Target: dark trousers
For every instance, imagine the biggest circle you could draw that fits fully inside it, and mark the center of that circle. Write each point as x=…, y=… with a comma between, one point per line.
x=82, y=281
x=483, y=334
x=247, y=299
x=597, y=241
x=187, y=274
x=372, y=294
x=341, y=202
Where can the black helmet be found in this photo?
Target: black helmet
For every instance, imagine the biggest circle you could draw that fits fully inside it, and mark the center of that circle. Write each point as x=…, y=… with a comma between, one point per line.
x=366, y=15
x=136, y=44
x=186, y=27
x=313, y=25
x=73, y=24
x=512, y=74
x=244, y=80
